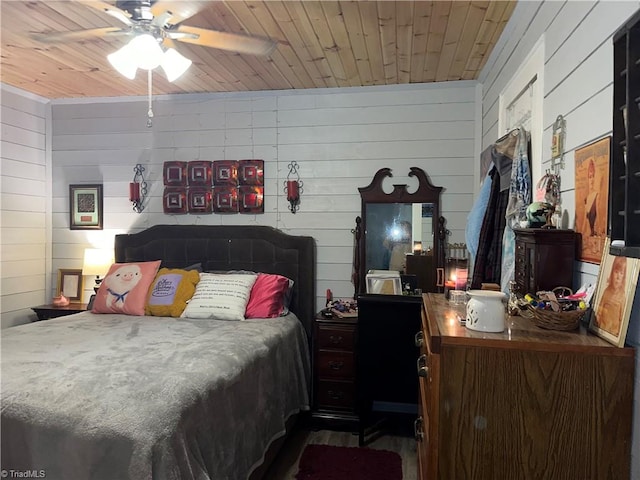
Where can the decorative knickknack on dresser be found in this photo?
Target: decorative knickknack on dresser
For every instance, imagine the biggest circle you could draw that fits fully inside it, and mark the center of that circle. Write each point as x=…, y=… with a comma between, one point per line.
x=544, y=259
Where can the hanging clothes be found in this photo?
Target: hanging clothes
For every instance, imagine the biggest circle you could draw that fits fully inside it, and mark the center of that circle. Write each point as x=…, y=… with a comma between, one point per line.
x=475, y=218
x=516, y=211
x=488, y=259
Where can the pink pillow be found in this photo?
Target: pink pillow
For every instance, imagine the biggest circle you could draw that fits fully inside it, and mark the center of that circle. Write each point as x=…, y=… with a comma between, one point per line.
x=124, y=289
x=267, y=296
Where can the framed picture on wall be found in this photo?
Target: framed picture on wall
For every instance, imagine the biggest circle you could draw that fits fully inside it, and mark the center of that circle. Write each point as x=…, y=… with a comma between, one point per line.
x=592, y=197
x=70, y=284
x=85, y=207
x=614, y=294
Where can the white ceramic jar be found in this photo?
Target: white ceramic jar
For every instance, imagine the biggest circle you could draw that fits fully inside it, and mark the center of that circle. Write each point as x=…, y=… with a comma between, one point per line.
x=485, y=311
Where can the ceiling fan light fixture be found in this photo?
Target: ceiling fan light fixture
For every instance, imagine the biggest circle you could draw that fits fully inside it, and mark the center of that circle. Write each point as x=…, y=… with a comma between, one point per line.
x=174, y=64
x=123, y=62
x=145, y=51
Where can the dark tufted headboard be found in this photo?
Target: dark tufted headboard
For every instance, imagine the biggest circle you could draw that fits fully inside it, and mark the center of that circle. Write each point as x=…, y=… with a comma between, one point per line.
x=217, y=247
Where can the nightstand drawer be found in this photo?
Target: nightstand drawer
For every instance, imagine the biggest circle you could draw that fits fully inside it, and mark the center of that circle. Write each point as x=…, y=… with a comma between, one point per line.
x=336, y=337
x=335, y=364
x=336, y=394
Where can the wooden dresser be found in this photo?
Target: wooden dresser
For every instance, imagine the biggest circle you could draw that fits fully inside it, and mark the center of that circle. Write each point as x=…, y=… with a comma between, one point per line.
x=527, y=403
x=544, y=259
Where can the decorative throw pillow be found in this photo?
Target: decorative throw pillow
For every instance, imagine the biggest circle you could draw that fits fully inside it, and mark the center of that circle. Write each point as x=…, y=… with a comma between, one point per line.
x=170, y=292
x=124, y=288
x=267, y=298
x=220, y=296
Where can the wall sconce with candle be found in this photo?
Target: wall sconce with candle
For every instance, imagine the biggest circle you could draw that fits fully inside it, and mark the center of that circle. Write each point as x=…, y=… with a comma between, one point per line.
x=293, y=187
x=138, y=189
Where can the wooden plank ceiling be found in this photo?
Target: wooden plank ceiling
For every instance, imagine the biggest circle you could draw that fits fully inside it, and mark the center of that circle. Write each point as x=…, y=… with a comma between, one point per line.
x=320, y=44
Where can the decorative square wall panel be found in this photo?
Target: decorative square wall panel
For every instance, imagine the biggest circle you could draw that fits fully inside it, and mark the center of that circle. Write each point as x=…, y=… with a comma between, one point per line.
x=175, y=174
x=225, y=172
x=199, y=174
x=174, y=200
x=199, y=200
x=251, y=172
x=251, y=199
x=225, y=199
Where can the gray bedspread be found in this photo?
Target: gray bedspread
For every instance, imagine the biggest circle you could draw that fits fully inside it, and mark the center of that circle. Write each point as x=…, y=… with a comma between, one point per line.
x=122, y=397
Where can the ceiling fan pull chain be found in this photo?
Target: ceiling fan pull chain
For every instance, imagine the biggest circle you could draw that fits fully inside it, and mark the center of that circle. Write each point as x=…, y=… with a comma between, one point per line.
x=150, y=112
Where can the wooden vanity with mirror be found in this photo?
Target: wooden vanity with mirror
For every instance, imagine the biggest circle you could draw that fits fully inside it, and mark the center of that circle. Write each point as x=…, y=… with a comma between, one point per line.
x=524, y=403
x=390, y=226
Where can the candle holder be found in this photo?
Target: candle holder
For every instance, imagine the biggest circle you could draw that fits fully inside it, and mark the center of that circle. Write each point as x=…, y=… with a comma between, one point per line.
x=138, y=189
x=293, y=187
x=456, y=275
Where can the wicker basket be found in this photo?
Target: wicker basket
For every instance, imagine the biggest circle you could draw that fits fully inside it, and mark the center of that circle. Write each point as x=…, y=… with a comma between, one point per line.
x=550, y=320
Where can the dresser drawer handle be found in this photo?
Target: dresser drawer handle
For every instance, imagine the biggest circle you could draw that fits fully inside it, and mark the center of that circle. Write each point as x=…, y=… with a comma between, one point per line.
x=335, y=339
x=423, y=370
x=336, y=365
x=419, y=339
x=417, y=429
x=335, y=395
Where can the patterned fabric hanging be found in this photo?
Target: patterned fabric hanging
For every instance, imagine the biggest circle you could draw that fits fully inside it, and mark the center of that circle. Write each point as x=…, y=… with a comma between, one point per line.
x=519, y=199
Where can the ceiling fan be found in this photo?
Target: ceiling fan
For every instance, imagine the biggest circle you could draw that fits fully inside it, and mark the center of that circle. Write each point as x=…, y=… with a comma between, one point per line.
x=163, y=20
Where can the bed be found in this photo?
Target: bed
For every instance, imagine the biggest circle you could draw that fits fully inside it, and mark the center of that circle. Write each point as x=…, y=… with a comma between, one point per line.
x=110, y=396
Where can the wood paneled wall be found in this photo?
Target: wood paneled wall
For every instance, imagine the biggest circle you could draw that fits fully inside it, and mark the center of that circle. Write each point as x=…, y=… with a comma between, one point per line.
x=24, y=205
x=578, y=66
x=339, y=137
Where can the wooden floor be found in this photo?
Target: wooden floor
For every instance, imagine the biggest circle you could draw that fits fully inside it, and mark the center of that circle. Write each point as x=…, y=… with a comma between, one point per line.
x=285, y=466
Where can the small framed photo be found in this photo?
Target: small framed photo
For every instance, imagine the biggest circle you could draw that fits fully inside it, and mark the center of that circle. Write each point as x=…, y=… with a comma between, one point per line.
x=384, y=282
x=85, y=207
x=70, y=284
x=613, y=297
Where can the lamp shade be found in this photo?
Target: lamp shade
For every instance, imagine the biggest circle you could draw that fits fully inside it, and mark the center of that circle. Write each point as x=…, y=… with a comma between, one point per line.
x=97, y=261
x=145, y=51
x=174, y=64
x=123, y=62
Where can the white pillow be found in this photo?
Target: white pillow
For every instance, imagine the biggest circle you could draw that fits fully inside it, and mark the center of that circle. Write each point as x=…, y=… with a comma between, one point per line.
x=220, y=296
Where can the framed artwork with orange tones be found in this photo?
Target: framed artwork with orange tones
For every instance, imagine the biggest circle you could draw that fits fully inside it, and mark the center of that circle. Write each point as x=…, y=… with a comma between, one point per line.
x=614, y=294
x=592, y=197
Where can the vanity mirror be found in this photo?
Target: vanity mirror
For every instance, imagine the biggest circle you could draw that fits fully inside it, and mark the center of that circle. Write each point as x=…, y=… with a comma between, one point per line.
x=393, y=226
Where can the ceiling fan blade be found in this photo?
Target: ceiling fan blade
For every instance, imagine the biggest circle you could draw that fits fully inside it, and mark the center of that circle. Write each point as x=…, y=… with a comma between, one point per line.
x=180, y=10
x=54, y=37
x=109, y=9
x=224, y=41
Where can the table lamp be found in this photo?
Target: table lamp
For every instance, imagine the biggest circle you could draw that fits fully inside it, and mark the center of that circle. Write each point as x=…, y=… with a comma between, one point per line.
x=97, y=262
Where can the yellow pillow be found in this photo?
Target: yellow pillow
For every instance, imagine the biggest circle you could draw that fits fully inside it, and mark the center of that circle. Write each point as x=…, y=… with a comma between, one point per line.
x=170, y=292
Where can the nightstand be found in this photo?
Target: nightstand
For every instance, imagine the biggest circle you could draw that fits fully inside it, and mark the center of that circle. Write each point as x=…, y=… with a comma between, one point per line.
x=45, y=312
x=334, y=371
